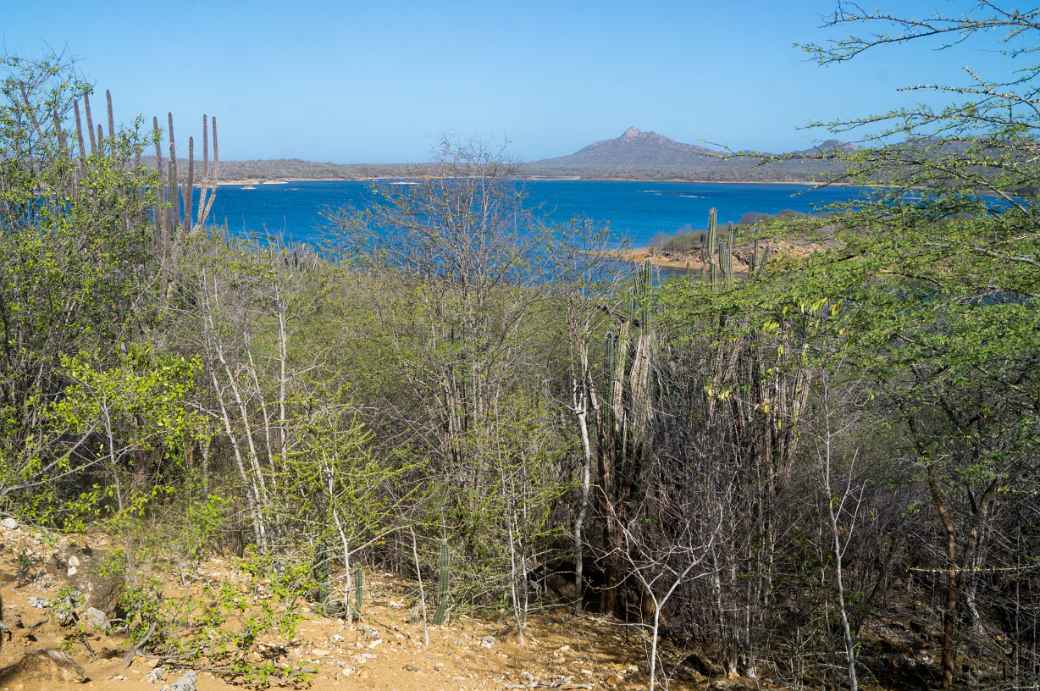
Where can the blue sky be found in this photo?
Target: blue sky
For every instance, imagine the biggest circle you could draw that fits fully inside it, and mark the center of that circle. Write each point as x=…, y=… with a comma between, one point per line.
x=383, y=81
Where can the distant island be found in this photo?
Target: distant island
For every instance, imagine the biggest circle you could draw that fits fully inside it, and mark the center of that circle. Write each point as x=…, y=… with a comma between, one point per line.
x=634, y=155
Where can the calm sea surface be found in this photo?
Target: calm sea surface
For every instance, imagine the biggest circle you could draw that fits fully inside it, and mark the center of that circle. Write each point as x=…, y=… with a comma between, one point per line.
x=634, y=211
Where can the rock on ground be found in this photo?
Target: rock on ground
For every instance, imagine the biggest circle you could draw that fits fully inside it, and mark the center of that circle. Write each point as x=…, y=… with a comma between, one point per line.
x=188, y=682
x=97, y=619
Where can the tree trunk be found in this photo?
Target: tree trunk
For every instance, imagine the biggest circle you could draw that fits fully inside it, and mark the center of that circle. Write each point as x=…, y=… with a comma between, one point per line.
x=581, y=410
x=950, y=610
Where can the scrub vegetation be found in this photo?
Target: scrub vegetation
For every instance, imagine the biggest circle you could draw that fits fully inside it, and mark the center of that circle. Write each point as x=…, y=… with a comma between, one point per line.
x=808, y=469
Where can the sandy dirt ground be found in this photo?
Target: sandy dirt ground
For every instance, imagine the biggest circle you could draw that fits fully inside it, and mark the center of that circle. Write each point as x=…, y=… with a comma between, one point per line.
x=384, y=651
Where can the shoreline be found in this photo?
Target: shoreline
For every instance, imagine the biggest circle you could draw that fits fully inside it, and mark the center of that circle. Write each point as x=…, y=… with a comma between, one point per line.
x=257, y=182
x=638, y=255
x=691, y=261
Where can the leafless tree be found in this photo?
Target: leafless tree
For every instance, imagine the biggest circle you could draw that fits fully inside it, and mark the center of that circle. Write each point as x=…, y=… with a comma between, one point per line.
x=841, y=505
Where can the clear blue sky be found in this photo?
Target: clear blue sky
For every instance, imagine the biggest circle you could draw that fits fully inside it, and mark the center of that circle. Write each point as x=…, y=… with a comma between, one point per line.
x=382, y=81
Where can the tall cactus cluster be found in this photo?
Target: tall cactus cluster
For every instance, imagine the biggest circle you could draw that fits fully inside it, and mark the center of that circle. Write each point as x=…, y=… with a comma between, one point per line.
x=175, y=200
x=100, y=144
x=173, y=209
x=173, y=214
x=629, y=361
x=625, y=429
x=717, y=253
x=629, y=348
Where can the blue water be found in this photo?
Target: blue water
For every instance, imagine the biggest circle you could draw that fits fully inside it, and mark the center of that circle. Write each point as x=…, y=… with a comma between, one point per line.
x=634, y=211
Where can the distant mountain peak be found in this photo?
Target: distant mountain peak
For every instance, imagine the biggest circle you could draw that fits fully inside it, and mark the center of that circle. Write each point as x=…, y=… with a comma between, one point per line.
x=635, y=147
x=832, y=146
x=635, y=135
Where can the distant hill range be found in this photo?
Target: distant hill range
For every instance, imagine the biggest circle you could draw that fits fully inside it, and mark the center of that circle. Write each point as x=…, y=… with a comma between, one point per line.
x=639, y=154
x=634, y=155
x=260, y=170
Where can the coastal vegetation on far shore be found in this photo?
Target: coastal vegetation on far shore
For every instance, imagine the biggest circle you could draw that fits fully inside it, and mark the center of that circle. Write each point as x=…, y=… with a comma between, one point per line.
x=753, y=235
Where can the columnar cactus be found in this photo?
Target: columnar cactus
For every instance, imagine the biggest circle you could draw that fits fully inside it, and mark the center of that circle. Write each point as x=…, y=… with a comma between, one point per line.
x=717, y=253
x=204, y=187
x=443, y=584
x=359, y=590
x=79, y=136
x=713, y=243
x=174, y=202
x=209, y=191
x=320, y=570
x=90, y=124
x=111, y=119
x=189, y=186
x=617, y=379
x=161, y=233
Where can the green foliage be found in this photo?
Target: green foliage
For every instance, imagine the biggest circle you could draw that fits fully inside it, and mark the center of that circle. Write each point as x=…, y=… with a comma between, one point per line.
x=333, y=463
x=140, y=609
x=66, y=605
x=133, y=418
x=223, y=625
x=147, y=386
x=203, y=521
x=76, y=267
x=26, y=565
